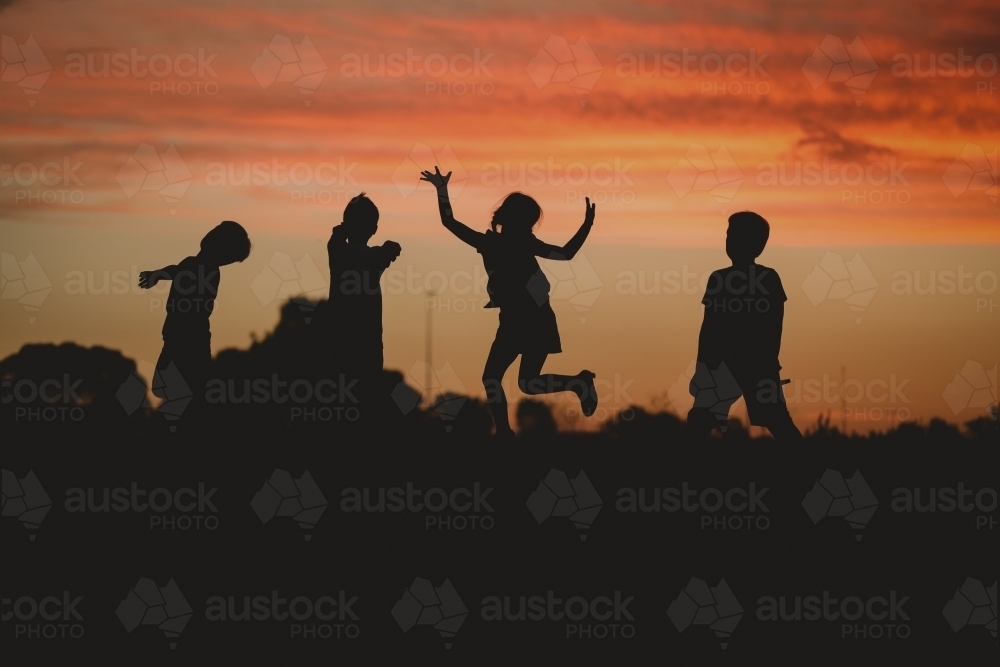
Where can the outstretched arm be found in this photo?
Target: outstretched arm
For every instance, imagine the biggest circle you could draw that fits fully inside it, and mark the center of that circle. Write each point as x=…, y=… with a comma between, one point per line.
x=462, y=231
x=148, y=279
x=568, y=251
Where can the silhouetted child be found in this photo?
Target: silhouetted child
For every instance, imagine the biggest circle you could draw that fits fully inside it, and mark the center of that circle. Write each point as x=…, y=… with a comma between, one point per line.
x=354, y=316
x=520, y=290
x=187, y=338
x=740, y=338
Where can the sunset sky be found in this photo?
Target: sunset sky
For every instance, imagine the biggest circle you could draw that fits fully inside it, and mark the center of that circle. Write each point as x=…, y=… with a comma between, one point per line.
x=866, y=133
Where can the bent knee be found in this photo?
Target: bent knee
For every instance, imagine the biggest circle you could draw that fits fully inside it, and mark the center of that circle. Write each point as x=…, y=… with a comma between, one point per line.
x=531, y=385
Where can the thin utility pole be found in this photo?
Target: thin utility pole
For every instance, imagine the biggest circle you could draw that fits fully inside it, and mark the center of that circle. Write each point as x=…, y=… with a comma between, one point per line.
x=429, y=346
x=843, y=401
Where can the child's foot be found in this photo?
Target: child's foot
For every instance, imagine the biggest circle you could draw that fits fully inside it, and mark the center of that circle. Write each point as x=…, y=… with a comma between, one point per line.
x=588, y=394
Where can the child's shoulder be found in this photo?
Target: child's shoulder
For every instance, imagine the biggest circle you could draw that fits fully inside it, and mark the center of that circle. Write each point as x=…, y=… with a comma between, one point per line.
x=768, y=272
x=771, y=281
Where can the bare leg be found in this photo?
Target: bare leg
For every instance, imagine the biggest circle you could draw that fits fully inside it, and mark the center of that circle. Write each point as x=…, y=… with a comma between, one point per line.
x=532, y=382
x=784, y=430
x=497, y=364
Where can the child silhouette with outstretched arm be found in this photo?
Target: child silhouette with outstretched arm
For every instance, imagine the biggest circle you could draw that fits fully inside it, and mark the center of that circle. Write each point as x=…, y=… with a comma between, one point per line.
x=355, y=304
x=520, y=290
x=187, y=338
x=740, y=338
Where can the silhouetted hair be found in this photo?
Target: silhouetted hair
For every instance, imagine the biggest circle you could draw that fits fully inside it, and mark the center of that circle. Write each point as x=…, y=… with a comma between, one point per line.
x=228, y=241
x=360, y=215
x=517, y=211
x=749, y=232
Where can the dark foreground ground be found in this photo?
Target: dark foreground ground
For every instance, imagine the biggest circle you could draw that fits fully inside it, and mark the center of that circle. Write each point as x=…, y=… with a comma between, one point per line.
x=223, y=550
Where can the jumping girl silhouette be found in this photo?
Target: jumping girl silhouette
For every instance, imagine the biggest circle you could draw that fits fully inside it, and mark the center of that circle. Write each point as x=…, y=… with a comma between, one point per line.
x=520, y=290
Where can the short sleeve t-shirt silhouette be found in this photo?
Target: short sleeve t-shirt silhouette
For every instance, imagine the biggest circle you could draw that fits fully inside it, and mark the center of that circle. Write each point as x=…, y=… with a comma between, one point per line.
x=744, y=308
x=190, y=303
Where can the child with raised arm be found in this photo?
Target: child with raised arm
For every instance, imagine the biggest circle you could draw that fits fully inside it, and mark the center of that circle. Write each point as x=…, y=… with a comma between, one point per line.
x=520, y=290
x=740, y=338
x=187, y=338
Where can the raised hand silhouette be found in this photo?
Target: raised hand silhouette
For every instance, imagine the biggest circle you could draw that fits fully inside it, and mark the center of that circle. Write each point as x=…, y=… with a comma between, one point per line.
x=435, y=178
